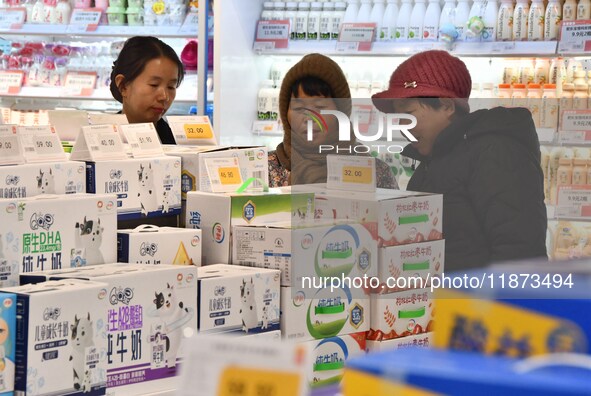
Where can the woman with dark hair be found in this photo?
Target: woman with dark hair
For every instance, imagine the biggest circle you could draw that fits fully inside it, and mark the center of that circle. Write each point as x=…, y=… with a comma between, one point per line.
x=144, y=79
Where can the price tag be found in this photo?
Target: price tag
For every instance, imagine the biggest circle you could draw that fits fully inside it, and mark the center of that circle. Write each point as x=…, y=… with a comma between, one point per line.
x=274, y=34
x=11, y=150
x=351, y=173
x=11, y=81
x=41, y=144
x=79, y=84
x=362, y=34
x=266, y=128
x=503, y=46
x=98, y=142
x=575, y=37
x=574, y=137
x=224, y=174
x=192, y=130
x=190, y=25
x=84, y=20
x=573, y=202
x=576, y=120
x=143, y=139
x=12, y=18
x=251, y=381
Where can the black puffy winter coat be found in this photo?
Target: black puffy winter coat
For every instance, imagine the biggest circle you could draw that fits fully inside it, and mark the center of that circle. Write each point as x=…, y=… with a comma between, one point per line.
x=487, y=166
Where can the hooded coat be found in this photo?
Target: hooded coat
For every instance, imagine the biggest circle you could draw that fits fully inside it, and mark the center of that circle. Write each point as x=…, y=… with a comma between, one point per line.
x=487, y=166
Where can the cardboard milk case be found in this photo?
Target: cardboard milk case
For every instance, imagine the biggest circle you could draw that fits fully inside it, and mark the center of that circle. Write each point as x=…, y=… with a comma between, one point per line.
x=148, y=244
x=28, y=180
x=43, y=232
x=146, y=187
x=61, y=345
x=150, y=311
x=7, y=342
x=240, y=300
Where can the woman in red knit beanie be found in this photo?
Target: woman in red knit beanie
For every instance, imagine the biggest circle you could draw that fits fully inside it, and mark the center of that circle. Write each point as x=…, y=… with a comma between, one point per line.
x=486, y=163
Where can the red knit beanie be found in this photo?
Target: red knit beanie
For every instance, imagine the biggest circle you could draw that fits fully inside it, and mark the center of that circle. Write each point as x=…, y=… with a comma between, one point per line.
x=432, y=73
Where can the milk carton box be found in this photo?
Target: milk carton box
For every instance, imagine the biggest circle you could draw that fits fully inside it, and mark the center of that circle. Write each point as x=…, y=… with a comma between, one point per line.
x=307, y=316
x=61, y=344
x=151, y=310
x=44, y=232
x=216, y=214
x=28, y=180
x=401, y=314
x=7, y=342
x=145, y=187
x=424, y=340
x=241, y=300
x=149, y=244
x=394, y=217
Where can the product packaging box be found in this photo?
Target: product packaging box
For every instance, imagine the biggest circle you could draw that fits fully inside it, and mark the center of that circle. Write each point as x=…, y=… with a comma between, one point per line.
x=151, y=310
x=61, y=343
x=330, y=356
x=56, y=231
x=253, y=163
x=401, y=314
x=394, y=217
x=148, y=244
x=145, y=187
x=410, y=266
x=315, y=250
x=235, y=299
x=215, y=214
x=424, y=340
x=7, y=342
x=28, y=180
x=323, y=314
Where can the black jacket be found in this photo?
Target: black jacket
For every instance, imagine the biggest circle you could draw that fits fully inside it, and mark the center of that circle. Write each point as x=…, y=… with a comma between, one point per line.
x=164, y=132
x=487, y=166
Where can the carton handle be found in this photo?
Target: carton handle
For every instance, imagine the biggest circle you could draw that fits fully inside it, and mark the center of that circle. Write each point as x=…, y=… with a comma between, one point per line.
x=249, y=181
x=147, y=228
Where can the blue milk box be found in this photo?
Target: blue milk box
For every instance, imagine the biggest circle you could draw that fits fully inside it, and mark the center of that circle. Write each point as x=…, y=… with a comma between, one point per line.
x=7, y=342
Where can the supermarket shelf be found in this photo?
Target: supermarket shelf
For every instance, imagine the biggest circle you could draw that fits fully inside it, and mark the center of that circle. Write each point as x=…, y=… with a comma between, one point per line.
x=101, y=31
x=404, y=48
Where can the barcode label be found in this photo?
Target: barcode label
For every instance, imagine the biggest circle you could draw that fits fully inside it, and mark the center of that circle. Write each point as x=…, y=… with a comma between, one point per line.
x=334, y=178
x=249, y=263
x=94, y=148
x=179, y=136
x=578, y=46
x=135, y=145
x=30, y=149
x=215, y=181
x=259, y=177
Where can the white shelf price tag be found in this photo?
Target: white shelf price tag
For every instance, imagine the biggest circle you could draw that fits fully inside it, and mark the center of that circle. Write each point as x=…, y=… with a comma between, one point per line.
x=11, y=150
x=272, y=35
x=11, y=81
x=41, y=144
x=98, y=142
x=12, y=18
x=143, y=140
x=79, y=84
x=351, y=173
x=356, y=37
x=224, y=174
x=192, y=130
x=189, y=26
x=266, y=128
x=575, y=37
x=573, y=202
x=576, y=120
x=84, y=20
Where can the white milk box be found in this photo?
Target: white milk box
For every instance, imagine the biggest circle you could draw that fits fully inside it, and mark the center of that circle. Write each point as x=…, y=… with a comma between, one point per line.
x=28, y=180
x=149, y=244
x=394, y=217
x=424, y=340
x=61, y=344
x=317, y=250
x=56, y=231
x=235, y=299
x=308, y=316
x=330, y=356
x=151, y=310
x=401, y=314
x=145, y=187
x=253, y=163
x=410, y=266
x=8, y=342
x=215, y=214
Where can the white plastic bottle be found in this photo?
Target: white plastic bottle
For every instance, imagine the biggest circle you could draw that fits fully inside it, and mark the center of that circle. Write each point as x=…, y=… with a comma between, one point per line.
x=552, y=19
x=461, y=17
x=431, y=21
x=478, y=9
x=584, y=9
x=447, y=13
x=541, y=71
x=403, y=20
x=549, y=112
x=580, y=97
x=364, y=11
x=267, y=13
x=264, y=101
x=388, y=31
x=326, y=21
x=291, y=11
x=301, y=20
x=417, y=17
x=505, y=20
x=520, y=16
x=49, y=12
x=352, y=11
x=377, y=15
x=278, y=10
x=490, y=21
x=314, y=21
x=569, y=10
x=337, y=19
x=63, y=11
x=535, y=21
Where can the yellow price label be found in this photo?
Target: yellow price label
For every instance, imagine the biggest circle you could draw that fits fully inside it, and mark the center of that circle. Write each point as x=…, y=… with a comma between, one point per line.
x=241, y=381
x=229, y=175
x=198, y=131
x=357, y=174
